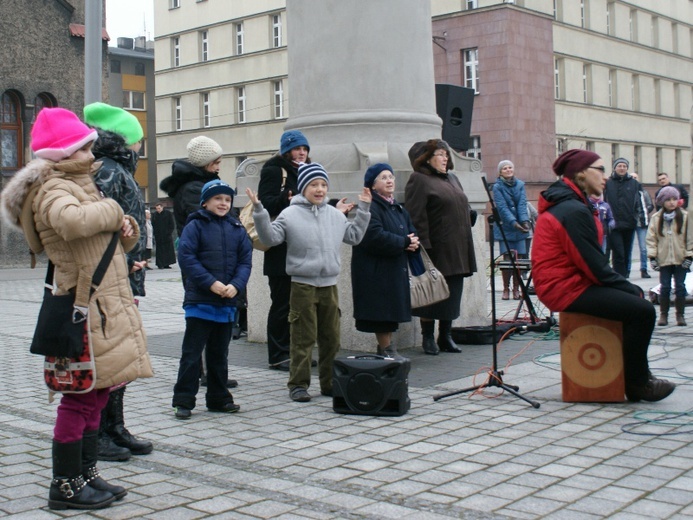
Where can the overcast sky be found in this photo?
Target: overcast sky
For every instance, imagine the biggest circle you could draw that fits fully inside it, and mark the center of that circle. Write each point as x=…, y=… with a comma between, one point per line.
x=129, y=18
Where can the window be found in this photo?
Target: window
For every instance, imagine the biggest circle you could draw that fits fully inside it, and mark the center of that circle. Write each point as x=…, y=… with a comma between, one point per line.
x=143, y=148
x=139, y=69
x=204, y=45
x=557, y=75
x=614, y=153
x=474, y=149
x=239, y=38
x=176, y=51
x=612, y=88
x=115, y=66
x=635, y=92
x=658, y=159
x=133, y=100
x=677, y=100
x=471, y=69
x=178, y=113
x=10, y=132
x=472, y=4
x=655, y=31
x=583, y=21
x=276, y=31
x=558, y=10
x=206, y=116
x=674, y=37
x=240, y=95
x=586, y=83
x=637, y=158
x=633, y=24
x=175, y=4
x=589, y=146
x=610, y=19
x=278, y=100
x=657, y=93
x=560, y=145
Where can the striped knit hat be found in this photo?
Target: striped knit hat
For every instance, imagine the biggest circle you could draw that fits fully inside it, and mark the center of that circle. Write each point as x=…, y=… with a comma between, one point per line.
x=308, y=173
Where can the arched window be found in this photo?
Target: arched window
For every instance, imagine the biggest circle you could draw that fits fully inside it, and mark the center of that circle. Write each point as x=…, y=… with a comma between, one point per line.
x=43, y=100
x=10, y=132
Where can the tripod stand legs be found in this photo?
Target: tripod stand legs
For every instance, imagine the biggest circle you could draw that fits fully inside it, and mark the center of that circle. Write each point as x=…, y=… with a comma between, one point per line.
x=495, y=380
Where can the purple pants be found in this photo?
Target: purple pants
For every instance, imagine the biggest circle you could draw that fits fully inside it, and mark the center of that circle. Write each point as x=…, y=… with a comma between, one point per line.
x=79, y=413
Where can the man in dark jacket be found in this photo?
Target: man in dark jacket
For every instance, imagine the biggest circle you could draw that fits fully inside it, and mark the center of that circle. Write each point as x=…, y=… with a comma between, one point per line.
x=663, y=180
x=163, y=226
x=623, y=195
x=117, y=148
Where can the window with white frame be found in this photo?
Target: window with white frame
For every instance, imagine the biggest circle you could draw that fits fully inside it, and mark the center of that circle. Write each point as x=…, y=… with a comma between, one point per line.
x=675, y=37
x=657, y=93
x=557, y=75
x=472, y=4
x=276, y=30
x=176, y=51
x=474, y=149
x=635, y=92
x=206, y=111
x=677, y=100
x=143, y=148
x=658, y=159
x=583, y=21
x=586, y=83
x=558, y=10
x=471, y=69
x=612, y=88
x=239, y=38
x=655, y=31
x=633, y=25
x=240, y=97
x=204, y=45
x=133, y=100
x=610, y=19
x=178, y=113
x=278, y=99
x=174, y=4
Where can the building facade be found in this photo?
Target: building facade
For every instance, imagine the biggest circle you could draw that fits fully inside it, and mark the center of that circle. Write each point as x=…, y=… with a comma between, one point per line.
x=611, y=76
x=131, y=86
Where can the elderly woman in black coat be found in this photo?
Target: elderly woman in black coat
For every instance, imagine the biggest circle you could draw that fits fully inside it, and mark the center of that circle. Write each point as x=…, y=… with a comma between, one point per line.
x=441, y=214
x=379, y=264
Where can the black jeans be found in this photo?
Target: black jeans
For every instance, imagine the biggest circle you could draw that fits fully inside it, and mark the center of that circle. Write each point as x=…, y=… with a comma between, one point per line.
x=621, y=244
x=638, y=318
x=278, y=331
x=214, y=338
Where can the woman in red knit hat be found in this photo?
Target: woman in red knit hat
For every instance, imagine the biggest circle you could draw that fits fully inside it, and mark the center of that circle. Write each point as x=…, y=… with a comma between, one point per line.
x=572, y=274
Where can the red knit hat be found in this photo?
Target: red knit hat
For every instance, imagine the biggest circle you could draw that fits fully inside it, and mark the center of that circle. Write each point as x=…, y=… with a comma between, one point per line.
x=58, y=133
x=573, y=161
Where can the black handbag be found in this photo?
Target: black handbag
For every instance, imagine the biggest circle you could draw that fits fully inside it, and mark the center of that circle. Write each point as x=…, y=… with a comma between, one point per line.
x=60, y=327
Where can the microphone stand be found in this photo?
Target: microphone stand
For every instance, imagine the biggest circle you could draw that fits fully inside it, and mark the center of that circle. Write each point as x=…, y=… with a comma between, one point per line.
x=495, y=376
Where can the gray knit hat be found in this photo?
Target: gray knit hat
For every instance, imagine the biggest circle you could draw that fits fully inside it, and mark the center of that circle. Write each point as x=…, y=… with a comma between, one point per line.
x=666, y=193
x=621, y=160
x=505, y=163
x=203, y=150
x=308, y=173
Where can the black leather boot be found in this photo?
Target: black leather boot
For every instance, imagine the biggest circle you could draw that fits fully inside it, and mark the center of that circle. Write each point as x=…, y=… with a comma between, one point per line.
x=68, y=488
x=90, y=472
x=116, y=426
x=445, y=341
x=428, y=343
x=106, y=448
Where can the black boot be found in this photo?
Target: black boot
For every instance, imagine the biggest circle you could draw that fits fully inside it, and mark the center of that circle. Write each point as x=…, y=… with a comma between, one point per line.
x=680, y=311
x=106, y=448
x=89, y=470
x=429, y=342
x=116, y=426
x=445, y=341
x=68, y=489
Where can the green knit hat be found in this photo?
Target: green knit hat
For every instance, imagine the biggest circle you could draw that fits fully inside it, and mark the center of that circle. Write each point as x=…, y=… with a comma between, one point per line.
x=114, y=119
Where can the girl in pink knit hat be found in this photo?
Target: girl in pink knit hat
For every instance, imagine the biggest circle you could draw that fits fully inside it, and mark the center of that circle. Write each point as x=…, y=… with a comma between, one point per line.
x=55, y=202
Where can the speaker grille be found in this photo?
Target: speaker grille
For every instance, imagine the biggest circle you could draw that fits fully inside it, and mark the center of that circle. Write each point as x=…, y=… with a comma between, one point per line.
x=365, y=391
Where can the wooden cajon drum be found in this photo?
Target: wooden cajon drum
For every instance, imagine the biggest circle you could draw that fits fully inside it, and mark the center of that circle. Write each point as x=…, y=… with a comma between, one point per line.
x=591, y=359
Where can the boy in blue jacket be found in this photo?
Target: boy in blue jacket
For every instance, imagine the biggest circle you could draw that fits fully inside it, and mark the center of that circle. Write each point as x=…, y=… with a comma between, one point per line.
x=313, y=231
x=215, y=255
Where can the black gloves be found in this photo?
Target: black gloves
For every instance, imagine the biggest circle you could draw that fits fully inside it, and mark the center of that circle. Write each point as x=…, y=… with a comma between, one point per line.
x=472, y=216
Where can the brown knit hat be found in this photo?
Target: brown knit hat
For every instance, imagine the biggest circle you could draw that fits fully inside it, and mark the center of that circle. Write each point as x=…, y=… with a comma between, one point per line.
x=573, y=161
x=427, y=151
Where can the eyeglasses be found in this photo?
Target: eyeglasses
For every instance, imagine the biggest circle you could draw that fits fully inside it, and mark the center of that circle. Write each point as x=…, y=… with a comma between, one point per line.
x=386, y=177
x=600, y=168
x=440, y=155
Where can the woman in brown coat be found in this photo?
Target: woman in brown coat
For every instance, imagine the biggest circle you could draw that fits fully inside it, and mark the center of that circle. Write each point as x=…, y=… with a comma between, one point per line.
x=441, y=215
x=59, y=208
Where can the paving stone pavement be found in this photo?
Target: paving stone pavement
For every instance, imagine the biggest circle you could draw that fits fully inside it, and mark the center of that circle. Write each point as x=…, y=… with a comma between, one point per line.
x=471, y=457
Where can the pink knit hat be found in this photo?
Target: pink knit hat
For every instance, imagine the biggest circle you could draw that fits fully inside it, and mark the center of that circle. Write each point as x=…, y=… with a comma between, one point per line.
x=58, y=133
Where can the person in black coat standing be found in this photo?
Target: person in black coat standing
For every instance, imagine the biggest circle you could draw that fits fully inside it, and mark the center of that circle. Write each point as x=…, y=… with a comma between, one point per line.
x=379, y=264
x=163, y=226
x=623, y=195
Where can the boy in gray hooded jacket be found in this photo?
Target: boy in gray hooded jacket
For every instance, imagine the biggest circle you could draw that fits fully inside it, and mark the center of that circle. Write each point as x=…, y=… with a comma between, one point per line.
x=313, y=231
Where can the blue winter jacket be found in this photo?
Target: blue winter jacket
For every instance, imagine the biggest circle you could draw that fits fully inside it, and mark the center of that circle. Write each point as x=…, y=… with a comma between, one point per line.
x=213, y=248
x=511, y=202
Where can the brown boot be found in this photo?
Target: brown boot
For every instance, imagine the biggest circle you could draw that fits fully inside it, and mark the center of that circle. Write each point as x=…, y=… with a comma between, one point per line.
x=680, y=311
x=663, y=312
x=506, y=284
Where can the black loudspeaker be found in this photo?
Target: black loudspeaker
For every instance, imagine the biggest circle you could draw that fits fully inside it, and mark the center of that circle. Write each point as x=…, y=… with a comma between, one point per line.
x=371, y=385
x=454, y=105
